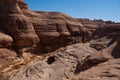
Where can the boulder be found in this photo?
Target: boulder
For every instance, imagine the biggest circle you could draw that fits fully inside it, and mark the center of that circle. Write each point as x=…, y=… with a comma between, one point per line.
x=5, y=40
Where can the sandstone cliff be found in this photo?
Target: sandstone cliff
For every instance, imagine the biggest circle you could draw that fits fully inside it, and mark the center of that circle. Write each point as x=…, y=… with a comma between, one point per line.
x=76, y=49
x=46, y=29
x=17, y=24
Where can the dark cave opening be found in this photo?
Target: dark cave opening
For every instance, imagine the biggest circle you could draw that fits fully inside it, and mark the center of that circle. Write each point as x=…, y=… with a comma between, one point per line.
x=51, y=60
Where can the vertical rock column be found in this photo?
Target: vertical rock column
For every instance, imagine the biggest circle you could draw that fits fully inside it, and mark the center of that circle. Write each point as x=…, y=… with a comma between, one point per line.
x=17, y=24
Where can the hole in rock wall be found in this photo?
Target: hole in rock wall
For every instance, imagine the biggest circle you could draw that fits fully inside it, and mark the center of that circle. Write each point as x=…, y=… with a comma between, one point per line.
x=51, y=59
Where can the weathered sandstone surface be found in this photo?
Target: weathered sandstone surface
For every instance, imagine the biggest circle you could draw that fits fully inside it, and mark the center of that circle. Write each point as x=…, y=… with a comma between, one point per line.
x=17, y=24
x=36, y=45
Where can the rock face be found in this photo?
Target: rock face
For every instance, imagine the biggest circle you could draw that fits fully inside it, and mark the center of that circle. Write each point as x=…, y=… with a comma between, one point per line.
x=60, y=65
x=105, y=71
x=95, y=57
x=89, y=24
x=46, y=28
x=5, y=40
x=76, y=61
x=108, y=30
x=17, y=24
x=54, y=27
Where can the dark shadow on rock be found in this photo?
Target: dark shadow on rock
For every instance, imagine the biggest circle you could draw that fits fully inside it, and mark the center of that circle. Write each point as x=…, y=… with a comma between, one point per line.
x=88, y=63
x=114, y=39
x=116, y=52
x=51, y=60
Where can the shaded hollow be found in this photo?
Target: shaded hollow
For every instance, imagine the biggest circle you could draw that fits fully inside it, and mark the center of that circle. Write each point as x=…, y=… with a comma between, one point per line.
x=116, y=52
x=51, y=60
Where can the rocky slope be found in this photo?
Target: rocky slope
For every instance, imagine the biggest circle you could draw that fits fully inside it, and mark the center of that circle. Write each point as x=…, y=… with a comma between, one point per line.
x=36, y=45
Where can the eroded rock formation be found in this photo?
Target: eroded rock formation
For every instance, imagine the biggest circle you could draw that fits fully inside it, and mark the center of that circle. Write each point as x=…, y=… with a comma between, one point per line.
x=17, y=24
x=59, y=27
x=25, y=31
x=51, y=27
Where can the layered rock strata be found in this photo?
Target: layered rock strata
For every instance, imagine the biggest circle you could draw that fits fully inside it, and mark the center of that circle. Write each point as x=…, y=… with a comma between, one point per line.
x=17, y=24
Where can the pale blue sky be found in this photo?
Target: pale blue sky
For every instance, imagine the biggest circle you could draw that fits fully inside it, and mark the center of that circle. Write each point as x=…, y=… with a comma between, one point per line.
x=98, y=9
